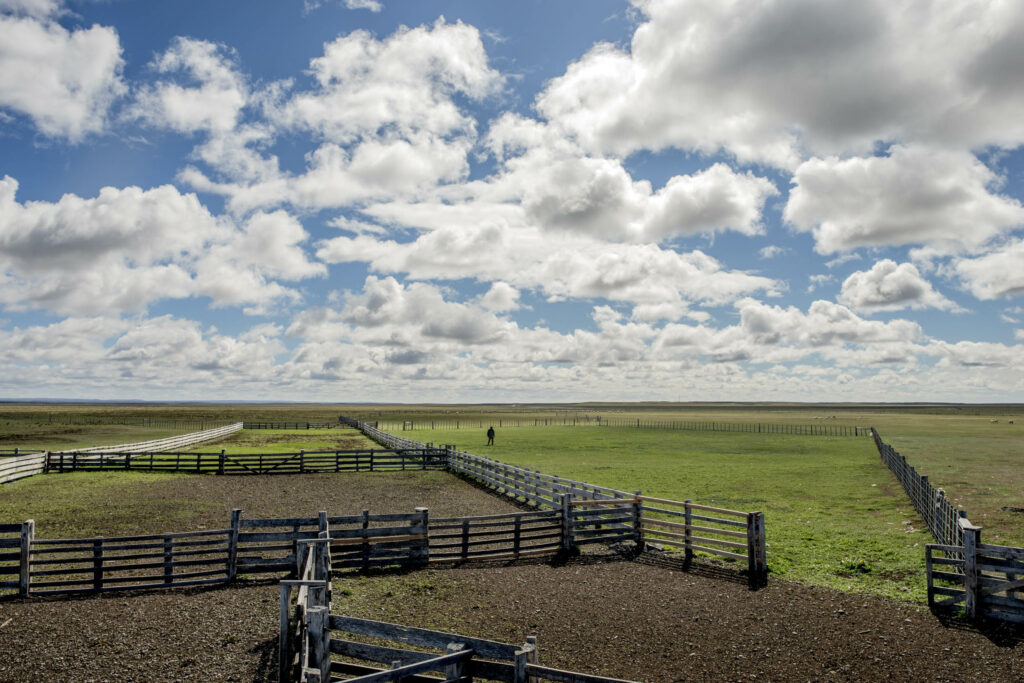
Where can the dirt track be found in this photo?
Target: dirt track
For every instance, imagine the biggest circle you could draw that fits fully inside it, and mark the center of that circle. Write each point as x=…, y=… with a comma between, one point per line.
x=644, y=620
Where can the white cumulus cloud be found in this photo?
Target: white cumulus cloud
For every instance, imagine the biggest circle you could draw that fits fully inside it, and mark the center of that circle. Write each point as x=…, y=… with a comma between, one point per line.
x=64, y=80
x=915, y=195
x=889, y=286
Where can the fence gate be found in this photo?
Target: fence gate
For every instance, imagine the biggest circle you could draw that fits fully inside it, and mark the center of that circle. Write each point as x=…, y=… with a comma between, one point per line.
x=493, y=537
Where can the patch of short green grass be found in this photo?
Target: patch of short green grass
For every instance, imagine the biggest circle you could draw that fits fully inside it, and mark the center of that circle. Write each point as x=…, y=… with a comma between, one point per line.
x=83, y=504
x=288, y=441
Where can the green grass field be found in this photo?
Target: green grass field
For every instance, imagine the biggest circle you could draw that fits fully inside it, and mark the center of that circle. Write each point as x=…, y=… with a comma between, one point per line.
x=288, y=441
x=834, y=514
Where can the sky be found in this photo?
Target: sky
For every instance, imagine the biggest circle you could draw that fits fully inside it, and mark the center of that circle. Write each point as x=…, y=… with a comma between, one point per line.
x=414, y=201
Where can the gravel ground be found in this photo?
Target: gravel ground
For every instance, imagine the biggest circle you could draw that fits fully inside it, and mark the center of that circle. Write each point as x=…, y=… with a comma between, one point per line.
x=643, y=620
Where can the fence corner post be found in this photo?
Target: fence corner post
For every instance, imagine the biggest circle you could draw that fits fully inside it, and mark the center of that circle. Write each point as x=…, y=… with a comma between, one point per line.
x=284, y=659
x=236, y=519
x=972, y=536
x=28, y=532
x=687, y=534
x=568, y=542
x=420, y=555
x=638, y=521
x=762, y=550
x=319, y=641
x=532, y=655
x=455, y=670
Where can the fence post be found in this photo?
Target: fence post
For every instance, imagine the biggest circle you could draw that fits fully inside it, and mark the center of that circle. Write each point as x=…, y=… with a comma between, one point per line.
x=638, y=521
x=455, y=670
x=236, y=519
x=421, y=549
x=532, y=655
x=520, y=666
x=302, y=461
x=284, y=636
x=568, y=541
x=97, y=563
x=319, y=641
x=220, y=463
x=972, y=536
x=28, y=533
x=687, y=533
x=762, y=549
x=168, y=560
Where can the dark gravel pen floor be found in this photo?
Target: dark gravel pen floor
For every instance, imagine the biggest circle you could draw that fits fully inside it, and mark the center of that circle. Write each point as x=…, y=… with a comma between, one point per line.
x=643, y=620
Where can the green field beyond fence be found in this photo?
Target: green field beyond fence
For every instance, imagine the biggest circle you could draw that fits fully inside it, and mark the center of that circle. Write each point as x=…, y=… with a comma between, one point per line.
x=823, y=429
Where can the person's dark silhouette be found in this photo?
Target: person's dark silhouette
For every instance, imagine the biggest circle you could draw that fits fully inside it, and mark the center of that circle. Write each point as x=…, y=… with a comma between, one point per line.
x=490, y=436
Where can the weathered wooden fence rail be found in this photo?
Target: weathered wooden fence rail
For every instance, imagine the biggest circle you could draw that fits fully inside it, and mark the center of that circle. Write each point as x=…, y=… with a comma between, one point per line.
x=19, y=465
x=104, y=564
x=490, y=537
x=986, y=580
x=301, y=462
x=288, y=425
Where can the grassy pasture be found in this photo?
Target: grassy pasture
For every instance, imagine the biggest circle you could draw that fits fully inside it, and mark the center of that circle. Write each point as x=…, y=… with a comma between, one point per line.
x=835, y=516
x=288, y=441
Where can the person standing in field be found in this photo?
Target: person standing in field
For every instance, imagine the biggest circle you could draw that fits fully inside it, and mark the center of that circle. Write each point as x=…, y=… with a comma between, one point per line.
x=490, y=435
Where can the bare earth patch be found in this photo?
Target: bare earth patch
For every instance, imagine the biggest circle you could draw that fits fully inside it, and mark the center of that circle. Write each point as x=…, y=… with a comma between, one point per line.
x=644, y=620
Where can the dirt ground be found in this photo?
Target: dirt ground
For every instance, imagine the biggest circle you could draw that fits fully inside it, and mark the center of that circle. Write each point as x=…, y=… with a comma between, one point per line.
x=644, y=620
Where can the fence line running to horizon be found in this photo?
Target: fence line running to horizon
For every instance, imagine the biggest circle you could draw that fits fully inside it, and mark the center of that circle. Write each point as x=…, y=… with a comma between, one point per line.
x=155, y=423
x=960, y=569
x=635, y=423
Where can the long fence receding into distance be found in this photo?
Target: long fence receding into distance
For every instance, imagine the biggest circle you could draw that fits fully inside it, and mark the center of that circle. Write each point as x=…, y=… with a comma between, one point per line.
x=961, y=571
x=825, y=428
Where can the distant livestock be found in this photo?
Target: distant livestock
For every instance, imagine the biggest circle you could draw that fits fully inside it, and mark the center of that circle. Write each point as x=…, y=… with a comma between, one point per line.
x=993, y=421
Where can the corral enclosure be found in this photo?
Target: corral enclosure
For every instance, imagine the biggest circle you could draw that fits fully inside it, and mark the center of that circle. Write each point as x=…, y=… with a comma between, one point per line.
x=822, y=471
x=835, y=514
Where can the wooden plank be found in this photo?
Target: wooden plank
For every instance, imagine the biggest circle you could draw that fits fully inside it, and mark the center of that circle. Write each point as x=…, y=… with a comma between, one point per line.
x=693, y=506
x=1001, y=551
x=1003, y=616
x=145, y=586
x=504, y=515
x=377, y=653
x=419, y=636
x=540, y=550
x=359, y=535
x=569, y=676
x=398, y=673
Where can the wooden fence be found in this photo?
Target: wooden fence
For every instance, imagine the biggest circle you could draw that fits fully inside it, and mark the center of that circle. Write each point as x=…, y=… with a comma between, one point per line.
x=104, y=564
x=301, y=462
x=961, y=571
x=713, y=530
x=15, y=544
x=19, y=465
x=824, y=429
x=492, y=537
x=309, y=635
x=614, y=516
x=986, y=580
x=288, y=425
x=939, y=514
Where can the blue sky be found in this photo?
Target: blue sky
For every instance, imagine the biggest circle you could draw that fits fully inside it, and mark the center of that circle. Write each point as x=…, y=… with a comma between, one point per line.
x=359, y=200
